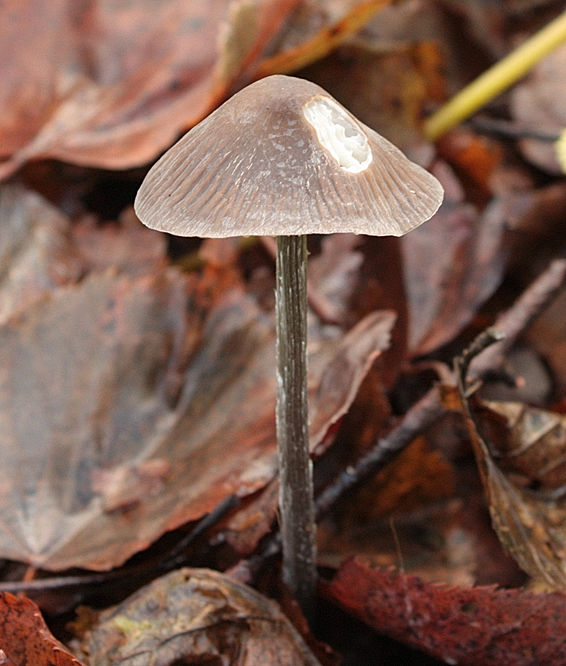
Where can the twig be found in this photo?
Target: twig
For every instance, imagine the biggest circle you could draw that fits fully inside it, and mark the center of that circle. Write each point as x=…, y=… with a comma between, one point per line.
x=496, y=79
x=493, y=344
x=519, y=316
x=419, y=417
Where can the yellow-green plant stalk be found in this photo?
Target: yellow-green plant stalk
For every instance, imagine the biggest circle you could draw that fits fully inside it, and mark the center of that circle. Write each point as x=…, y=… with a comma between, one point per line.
x=496, y=79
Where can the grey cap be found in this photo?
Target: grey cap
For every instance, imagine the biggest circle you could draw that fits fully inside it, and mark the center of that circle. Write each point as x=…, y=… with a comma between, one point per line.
x=283, y=157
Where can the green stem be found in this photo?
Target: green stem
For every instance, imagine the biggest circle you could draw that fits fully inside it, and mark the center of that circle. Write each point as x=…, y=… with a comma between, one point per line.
x=295, y=466
x=496, y=79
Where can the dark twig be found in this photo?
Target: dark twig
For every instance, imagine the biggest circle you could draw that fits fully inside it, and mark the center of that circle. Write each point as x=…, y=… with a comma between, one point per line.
x=486, y=354
x=419, y=417
x=518, y=317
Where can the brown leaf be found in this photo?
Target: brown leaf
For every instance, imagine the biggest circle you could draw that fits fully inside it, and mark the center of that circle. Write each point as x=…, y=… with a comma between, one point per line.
x=36, y=253
x=302, y=45
x=537, y=105
x=531, y=525
x=533, y=444
x=87, y=381
x=338, y=383
x=469, y=251
x=332, y=274
x=472, y=627
x=94, y=398
x=112, y=85
x=196, y=616
x=25, y=638
x=127, y=247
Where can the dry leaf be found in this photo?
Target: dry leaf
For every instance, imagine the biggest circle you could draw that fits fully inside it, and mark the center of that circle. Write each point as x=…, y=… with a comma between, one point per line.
x=25, y=638
x=36, y=253
x=531, y=443
x=93, y=389
x=113, y=84
x=469, y=259
x=480, y=626
x=530, y=524
x=196, y=616
x=318, y=27
x=332, y=275
x=87, y=380
x=537, y=105
x=337, y=386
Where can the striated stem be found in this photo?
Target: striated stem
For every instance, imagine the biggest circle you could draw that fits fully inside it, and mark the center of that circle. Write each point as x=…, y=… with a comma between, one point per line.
x=295, y=466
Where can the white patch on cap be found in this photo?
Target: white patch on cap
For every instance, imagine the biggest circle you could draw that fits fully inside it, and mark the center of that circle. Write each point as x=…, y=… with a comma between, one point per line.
x=339, y=133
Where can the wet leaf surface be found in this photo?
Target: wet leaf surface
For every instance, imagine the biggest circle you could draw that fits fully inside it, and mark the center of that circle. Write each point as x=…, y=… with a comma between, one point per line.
x=25, y=638
x=196, y=616
x=474, y=626
x=109, y=438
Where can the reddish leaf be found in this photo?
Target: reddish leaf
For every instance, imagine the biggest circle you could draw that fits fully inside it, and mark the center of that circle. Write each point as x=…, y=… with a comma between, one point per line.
x=25, y=638
x=111, y=84
x=472, y=627
x=336, y=388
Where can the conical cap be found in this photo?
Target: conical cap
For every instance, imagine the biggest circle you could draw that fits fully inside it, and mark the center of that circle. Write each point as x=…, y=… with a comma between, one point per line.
x=282, y=157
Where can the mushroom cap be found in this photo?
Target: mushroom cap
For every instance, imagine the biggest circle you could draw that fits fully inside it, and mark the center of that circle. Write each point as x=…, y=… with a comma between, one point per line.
x=282, y=157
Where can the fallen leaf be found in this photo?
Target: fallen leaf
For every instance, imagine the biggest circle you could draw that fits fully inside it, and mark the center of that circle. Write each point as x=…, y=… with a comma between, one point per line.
x=536, y=104
x=196, y=616
x=469, y=253
x=530, y=524
x=338, y=383
x=318, y=27
x=332, y=275
x=112, y=85
x=36, y=252
x=127, y=247
x=87, y=380
x=530, y=442
x=481, y=626
x=25, y=638
x=93, y=389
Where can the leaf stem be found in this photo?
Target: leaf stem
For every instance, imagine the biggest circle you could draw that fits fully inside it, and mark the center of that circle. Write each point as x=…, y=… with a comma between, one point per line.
x=295, y=466
x=496, y=79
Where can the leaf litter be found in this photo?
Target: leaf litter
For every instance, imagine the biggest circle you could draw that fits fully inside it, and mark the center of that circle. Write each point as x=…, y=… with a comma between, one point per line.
x=505, y=220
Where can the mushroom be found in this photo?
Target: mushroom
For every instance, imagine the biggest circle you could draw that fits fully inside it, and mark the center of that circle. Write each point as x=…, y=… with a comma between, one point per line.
x=283, y=158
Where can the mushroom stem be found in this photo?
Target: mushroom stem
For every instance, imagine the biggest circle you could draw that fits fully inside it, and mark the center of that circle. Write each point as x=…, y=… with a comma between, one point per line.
x=295, y=466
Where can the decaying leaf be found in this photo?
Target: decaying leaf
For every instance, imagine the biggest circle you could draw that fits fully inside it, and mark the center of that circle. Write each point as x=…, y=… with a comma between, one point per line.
x=196, y=616
x=531, y=444
x=481, y=626
x=469, y=259
x=87, y=378
x=530, y=523
x=331, y=276
x=305, y=42
x=329, y=401
x=36, y=253
x=111, y=84
x=25, y=638
x=537, y=105
x=108, y=438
